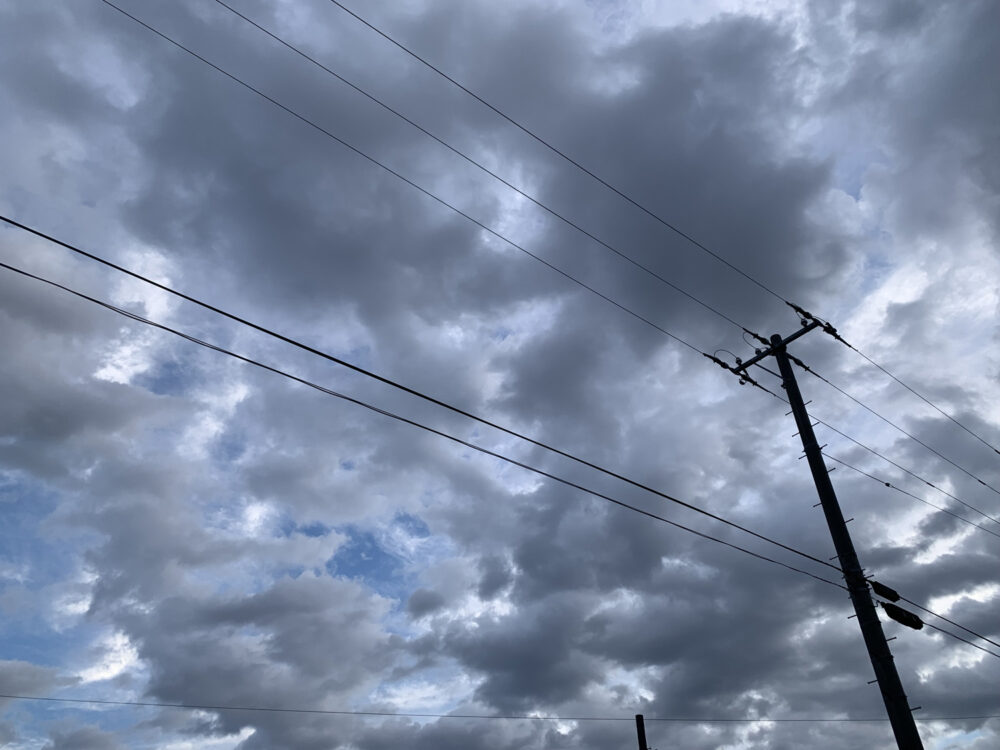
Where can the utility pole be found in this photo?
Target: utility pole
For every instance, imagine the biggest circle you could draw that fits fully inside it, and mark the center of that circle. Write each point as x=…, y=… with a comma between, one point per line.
x=640, y=728
x=900, y=715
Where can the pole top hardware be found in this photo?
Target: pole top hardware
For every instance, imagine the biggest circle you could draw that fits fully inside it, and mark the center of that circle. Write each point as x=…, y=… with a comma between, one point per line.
x=742, y=367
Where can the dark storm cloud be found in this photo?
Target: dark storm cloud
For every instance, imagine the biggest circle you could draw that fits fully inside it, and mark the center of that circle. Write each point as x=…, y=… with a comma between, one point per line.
x=213, y=509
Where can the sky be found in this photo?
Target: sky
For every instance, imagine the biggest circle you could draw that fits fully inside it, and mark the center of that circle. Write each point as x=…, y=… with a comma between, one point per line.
x=181, y=526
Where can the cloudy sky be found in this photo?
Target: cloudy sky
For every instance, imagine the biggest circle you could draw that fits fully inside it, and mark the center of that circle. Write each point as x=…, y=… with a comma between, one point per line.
x=181, y=527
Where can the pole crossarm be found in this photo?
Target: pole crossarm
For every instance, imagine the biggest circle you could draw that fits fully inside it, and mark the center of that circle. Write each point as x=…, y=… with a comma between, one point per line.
x=765, y=353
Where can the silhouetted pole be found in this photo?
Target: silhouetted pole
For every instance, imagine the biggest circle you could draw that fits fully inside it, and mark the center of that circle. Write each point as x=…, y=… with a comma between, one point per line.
x=640, y=728
x=896, y=705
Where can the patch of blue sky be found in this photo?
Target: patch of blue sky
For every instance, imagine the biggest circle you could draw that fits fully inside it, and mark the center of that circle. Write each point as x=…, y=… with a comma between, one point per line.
x=288, y=526
x=35, y=719
x=228, y=447
x=411, y=524
x=389, y=560
x=959, y=739
x=169, y=377
x=383, y=557
x=34, y=551
x=501, y=334
x=43, y=596
x=364, y=558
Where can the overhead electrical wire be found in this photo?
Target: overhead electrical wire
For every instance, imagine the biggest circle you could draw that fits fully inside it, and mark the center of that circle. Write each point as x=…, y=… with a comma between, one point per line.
x=494, y=717
x=481, y=449
x=453, y=438
x=425, y=191
x=895, y=426
x=876, y=453
x=479, y=165
x=919, y=395
x=393, y=383
x=905, y=470
x=951, y=622
x=330, y=134
x=892, y=486
x=484, y=227
x=884, y=458
x=960, y=638
x=635, y=203
x=656, y=217
x=573, y=224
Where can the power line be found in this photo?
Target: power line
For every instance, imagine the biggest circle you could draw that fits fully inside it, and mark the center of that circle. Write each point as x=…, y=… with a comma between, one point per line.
x=433, y=196
x=494, y=717
x=407, y=180
x=621, y=194
x=895, y=426
x=479, y=165
x=919, y=395
x=904, y=469
x=952, y=622
x=440, y=433
x=925, y=609
x=963, y=640
x=569, y=222
x=909, y=494
x=468, y=444
x=876, y=453
x=388, y=381
x=656, y=217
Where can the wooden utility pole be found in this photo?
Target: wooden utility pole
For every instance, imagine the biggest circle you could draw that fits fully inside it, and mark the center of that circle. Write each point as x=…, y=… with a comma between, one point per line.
x=900, y=715
x=640, y=728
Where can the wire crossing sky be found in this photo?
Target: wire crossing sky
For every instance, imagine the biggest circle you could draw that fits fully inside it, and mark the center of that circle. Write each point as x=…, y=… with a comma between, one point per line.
x=636, y=204
x=562, y=218
x=507, y=459
x=181, y=528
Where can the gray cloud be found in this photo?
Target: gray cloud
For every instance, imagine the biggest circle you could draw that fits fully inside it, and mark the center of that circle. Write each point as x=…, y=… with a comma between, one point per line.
x=185, y=529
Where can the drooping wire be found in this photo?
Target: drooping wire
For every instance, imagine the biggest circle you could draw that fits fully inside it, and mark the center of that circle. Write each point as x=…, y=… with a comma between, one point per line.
x=830, y=330
x=479, y=165
x=905, y=470
x=895, y=426
x=652, y=214
x=399, y=386
x=881, y=456
x=547, y=144
x=892, y=486
x=950, y=622
x=495, y=717
x=481, y=449
x=440, y=200
x=486, y=228
x=960, y=638
x=925, y=609
x=440, y=433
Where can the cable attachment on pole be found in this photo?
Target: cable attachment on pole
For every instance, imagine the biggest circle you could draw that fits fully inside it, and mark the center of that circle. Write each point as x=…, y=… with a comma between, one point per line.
x=800, y=363
x=902, y=616
x=830, y=330
x=807, y=317
x=884, y=591
x=825, y=325
x=743, y=376
x=757, y=336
